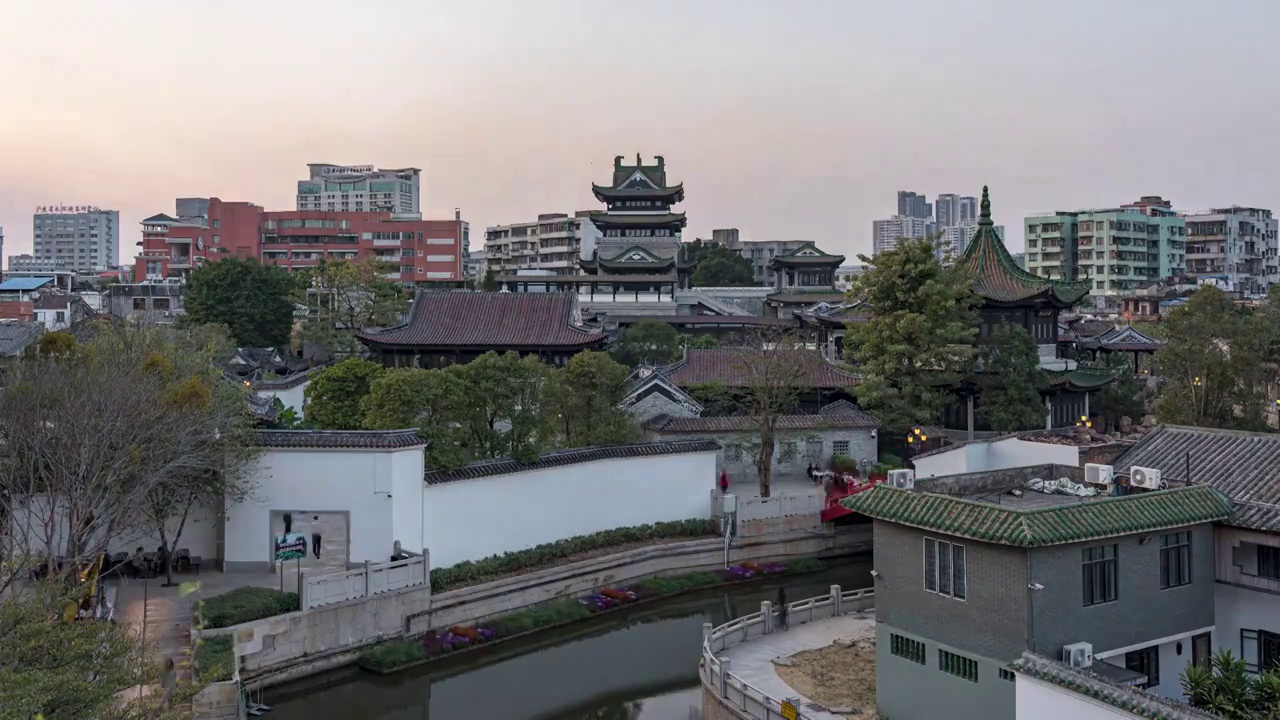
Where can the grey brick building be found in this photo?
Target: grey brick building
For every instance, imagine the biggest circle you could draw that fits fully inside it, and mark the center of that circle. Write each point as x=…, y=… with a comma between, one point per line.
x=840, y=428
x=969, y=581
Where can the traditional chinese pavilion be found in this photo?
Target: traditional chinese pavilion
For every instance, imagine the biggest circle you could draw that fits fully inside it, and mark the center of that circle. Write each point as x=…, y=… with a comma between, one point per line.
x=639, y=245
x=1013, y=295
x=802, y=278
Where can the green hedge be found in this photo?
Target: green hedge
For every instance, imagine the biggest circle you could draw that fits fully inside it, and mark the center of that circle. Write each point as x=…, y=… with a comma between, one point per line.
x=393, y=654
x=548, y=554
x=247, y=604
x=214, y=659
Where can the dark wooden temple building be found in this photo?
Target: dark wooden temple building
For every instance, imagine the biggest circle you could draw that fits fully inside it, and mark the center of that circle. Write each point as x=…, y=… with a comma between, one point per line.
x=453, y=327
x=1013, y=295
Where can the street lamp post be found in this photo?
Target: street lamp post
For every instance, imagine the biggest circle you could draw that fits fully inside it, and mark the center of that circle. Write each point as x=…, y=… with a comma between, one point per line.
x=916, y=439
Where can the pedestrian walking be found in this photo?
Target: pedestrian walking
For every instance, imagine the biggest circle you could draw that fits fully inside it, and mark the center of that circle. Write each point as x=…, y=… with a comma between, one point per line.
x=315, y=538
x=782, y=606
x=724, y=482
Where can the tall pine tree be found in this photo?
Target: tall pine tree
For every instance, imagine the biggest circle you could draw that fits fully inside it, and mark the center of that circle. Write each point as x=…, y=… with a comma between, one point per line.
x=1010, y=379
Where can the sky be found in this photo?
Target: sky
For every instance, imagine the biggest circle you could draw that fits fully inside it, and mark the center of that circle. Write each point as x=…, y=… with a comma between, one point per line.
x=787, y=120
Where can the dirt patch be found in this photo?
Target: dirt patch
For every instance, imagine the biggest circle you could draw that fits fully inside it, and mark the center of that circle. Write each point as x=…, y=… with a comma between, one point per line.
x=836, y=676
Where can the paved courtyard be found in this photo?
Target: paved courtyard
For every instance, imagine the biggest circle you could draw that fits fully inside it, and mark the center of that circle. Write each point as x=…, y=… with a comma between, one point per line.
x=168, y=617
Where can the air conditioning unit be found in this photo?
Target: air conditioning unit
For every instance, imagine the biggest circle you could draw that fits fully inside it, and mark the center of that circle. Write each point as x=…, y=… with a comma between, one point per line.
x=1142, y=477
x=904, y=479
x=1078, y=655
x=1098, y=474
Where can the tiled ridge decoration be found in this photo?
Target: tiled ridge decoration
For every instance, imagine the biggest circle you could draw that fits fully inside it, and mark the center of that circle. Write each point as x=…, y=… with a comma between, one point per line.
x=341, y=439
x=1055, y=525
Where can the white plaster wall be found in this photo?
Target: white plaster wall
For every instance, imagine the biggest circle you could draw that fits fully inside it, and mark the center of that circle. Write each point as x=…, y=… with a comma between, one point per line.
x=406, y=500
x=359, y=482
x=999, y=455
x=1171, y=666
x=1237, y=608
x=1037, y=700
x=199, y=534
x=472, y=519
x=291, y=397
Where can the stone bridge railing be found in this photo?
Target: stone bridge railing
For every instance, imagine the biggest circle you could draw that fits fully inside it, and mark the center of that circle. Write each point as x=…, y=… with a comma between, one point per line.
x=748, y=701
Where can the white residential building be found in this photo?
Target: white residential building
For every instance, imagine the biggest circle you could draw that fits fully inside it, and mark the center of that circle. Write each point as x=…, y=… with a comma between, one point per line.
x=552, y=245
x=1235, y=247
x=357, y=188
x=86, y=238
x=885, y=234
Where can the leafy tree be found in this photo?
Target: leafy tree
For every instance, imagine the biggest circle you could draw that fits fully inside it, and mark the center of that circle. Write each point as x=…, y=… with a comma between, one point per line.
x=250, y=298
x=583, y=402
x=286, y=417
x=717, y=399
x=58, y=344
x=430, y=400
x=98, y=443
x=212, y=475
x=1010, y=379
x=490, y=281
x=918, y=344
x=501, y=402
x=717, y=266
x=700, y=342
x=334, y=395
x=1229, y=691
x=1123, y=396
x=648, y=342
x=347, y=296
x=1214, y=364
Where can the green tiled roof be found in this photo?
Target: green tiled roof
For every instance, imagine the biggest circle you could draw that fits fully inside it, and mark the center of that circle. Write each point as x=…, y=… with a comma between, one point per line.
x=996, y=277
x=1054, y=525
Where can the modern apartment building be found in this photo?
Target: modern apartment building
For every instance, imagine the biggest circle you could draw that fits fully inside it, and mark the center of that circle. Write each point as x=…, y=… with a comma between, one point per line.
x=361, y=188
x=886, y=233
x=1235, y=247
x=29, y=263
x=1117, y=249
x=954, y=239
x=423, y=251
x=86, y=237
x=552, y=244
x=914, y=205
x=2, y=244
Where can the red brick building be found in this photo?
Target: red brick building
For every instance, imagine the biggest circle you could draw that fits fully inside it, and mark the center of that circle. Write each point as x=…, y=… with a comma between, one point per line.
x=425, y=251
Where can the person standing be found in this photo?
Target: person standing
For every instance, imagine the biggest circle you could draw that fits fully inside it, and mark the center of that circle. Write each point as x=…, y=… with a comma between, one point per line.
x=782, y=606
x=724, y=482
x=315, y=537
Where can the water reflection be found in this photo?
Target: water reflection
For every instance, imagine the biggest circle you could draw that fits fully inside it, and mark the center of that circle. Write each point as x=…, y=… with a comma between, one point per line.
x=637, y=664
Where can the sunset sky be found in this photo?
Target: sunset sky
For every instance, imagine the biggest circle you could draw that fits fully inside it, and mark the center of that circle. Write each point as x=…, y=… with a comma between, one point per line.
x=788, y=120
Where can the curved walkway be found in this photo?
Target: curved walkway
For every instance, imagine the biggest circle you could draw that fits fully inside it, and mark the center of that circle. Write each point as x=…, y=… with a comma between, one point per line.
x=737, y=657
x=753, y=661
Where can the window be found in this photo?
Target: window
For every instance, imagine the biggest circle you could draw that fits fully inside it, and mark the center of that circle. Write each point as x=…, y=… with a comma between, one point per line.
x=1147, y=662
x=958, y=665
x=1269, y=562
x=60, y=316
x=1175, y=560
x=1006, y=674
x=1260, y=650
x=813, y=450
x=944, y=568
x=905, y=647
x=840, y=447
x=732, y=453
x=139, y=303
x=1099, y=574
x=160, y=303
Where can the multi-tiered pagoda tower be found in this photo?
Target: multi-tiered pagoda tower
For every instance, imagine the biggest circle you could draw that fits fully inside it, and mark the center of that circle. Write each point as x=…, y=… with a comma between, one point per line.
x=639, y=240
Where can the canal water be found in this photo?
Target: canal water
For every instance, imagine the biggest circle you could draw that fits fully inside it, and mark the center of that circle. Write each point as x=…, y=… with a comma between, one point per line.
x=635, y=664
